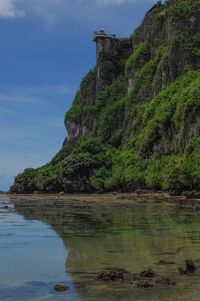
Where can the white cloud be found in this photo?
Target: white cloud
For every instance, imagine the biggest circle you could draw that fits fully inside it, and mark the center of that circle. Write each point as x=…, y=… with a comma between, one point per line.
x=9, y=10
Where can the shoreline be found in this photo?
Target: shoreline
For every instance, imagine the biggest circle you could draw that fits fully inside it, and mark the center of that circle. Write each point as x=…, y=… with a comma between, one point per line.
x=103, y=198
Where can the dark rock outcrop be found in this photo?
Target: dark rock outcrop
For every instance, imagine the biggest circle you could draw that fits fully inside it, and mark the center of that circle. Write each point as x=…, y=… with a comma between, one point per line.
x=190, y=266
x=163, y=281
x=115, y=274
x=148, y=273
x=118, y=275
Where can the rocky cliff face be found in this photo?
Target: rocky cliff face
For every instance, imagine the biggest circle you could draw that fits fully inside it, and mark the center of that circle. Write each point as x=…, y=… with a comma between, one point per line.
x=111, y=54
x=135, y=121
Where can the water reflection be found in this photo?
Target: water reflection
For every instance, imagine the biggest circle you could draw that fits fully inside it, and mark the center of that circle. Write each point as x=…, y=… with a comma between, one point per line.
x=32, y=258
x=134, y=236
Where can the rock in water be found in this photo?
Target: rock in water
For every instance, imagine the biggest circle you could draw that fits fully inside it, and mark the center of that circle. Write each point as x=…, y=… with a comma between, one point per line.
x=61, y=288
x=144, y=284
x=190, y=266
x=115, y=274
x=163, y=281
x=147, y=273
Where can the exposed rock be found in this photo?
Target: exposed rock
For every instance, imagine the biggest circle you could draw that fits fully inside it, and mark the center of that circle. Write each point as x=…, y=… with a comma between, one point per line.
x=148, y=273
x=144, y=284
x=61, y=288
x=110, y=56
x=164, y=281
x=190, y=266
x=137, y=280
x=115, y=274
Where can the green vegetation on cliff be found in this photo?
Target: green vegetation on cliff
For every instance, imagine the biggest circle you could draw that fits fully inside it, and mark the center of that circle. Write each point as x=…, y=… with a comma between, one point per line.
x=143, y=129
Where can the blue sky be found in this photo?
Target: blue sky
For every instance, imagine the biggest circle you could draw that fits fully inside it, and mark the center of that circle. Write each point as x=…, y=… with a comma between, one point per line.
x=45, y=51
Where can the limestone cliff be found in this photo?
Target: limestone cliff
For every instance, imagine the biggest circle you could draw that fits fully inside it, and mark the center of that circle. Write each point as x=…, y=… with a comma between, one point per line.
x=135, y=121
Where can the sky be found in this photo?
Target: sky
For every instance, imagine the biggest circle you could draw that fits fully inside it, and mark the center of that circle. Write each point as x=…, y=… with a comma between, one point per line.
x=46, y=49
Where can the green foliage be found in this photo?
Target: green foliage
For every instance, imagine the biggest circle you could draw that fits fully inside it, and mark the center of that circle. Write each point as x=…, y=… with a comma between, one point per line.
x=110, y=94
x=27, y=179
x=77, y=106
x=170, y=106
x=192, y=162
x=191, y=44
x=160, y=170
x=50, y=175
x=99, y=178
x=144, y=77
x=74, y=110
x=78, y=165
x=127, y=170
x=87, y=79
x=110, y=126
x=86, y=164
x=136, y=34
x=139, y=56
x=96, y=166
x=110, y=105
x=181, y=9
x=176, y=171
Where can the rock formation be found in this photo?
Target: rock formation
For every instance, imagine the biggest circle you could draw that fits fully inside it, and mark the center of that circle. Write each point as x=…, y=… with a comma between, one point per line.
x=135, y=121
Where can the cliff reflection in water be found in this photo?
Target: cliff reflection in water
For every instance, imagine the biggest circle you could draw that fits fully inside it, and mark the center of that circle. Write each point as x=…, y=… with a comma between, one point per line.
x=134, y=236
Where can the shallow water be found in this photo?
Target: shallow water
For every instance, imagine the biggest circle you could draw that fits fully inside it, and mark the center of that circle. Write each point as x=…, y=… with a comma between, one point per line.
x=43, y=243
